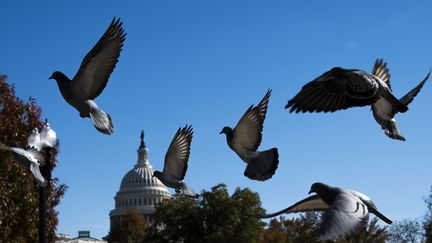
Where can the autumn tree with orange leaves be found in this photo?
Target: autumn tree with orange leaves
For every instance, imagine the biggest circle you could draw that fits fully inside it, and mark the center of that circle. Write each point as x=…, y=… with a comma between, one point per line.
x=18, y=192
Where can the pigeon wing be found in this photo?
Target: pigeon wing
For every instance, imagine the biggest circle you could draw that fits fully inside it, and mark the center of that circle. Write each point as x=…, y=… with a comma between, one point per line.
x=381, y=71
x=24, y=157
x=312, y=203
x=409, y=97
x=99, y=63
x=262, y=106
x=328, y=93
x=34, y=168
x=177, y=156
x=371, y=206
x=346, y=216
x=248, y=131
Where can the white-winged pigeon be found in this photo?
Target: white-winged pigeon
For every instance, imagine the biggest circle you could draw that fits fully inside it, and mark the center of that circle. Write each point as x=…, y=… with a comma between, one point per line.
x=30, y=159
x=345, y=211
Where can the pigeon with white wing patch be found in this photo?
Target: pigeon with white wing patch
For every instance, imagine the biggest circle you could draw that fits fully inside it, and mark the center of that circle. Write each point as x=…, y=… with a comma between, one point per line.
x=30, y=159
x=345, y=211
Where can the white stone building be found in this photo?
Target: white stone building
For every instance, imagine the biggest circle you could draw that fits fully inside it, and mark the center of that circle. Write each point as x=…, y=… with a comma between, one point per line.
x=83, y=237
x=139, y=189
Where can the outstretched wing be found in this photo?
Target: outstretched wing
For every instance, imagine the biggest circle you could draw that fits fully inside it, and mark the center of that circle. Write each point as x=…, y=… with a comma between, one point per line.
x=347, y=215
x=23, y=156
x=409, y=97
x=248, y=131
x=381, y=70
x=328, y=93
x=177, y=156
x=312, y=203
x=99, y=63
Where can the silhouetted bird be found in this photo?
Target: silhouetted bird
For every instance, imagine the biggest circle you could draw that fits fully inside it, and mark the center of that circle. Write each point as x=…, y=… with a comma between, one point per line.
x=245, y=139
x=382, y=110
x=30, y=159
x=342, y=88
x=92, y=77
x=176, y=162
x=345, y=211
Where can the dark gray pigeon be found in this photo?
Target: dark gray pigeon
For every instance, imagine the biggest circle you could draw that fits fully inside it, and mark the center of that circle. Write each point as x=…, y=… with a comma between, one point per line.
x=245, y=139
x=342, y=88
x=345, y=211
x=30, y=159
x=92, y=77
x=176, y=162
x=382, y=110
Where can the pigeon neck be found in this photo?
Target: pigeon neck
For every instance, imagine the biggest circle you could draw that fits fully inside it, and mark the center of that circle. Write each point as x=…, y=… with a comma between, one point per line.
x=142, y=154
x=328, y=196
x=229, y=135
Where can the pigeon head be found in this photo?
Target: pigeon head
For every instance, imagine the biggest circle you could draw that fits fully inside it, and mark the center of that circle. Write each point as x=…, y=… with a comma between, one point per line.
x=226, y=130
x=58, y=76
x=338, y=72
x=318, y=188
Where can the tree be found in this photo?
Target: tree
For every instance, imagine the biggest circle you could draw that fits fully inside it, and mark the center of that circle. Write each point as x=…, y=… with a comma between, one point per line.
x=18, y=193
x=406, y=231
x=306, y=229
x=132, y=228
x=427, y=224
x=302, y=229
x=214, y=217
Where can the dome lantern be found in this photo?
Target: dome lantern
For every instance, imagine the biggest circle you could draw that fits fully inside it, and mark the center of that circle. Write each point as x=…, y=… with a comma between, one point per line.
x=143, y=154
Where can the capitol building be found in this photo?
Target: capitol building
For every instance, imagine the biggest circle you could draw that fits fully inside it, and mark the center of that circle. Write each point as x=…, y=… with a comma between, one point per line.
x=139, y=189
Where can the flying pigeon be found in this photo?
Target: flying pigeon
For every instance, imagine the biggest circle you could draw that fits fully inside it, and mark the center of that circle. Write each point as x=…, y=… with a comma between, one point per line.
x=382, y=110
x=245, y=139
x=176, y=163
x=30, y=159
x=92, y=77
x=340, y=89
x=345, y=211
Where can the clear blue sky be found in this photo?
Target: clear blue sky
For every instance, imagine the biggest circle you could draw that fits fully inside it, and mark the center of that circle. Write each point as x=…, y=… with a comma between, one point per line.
x=203, y=63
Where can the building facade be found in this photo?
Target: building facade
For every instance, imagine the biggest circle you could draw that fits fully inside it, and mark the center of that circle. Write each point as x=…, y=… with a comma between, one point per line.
x=139, y=189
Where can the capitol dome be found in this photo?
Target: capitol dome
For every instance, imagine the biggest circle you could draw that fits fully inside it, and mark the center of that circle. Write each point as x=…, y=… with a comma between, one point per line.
x=139, y=189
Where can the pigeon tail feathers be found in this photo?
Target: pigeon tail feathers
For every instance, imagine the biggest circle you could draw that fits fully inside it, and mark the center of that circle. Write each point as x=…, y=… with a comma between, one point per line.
x=187, y=191
x=392, y=131
x=263, y=166
x=101, y=121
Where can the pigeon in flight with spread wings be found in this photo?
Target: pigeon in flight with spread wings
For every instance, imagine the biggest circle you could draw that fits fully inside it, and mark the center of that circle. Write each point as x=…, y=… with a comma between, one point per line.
x=245, y=139
x=92, y=77
x=382, y=110
x=176, y=162
x=30, y=159
x=340, y=89
x=345, y=211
